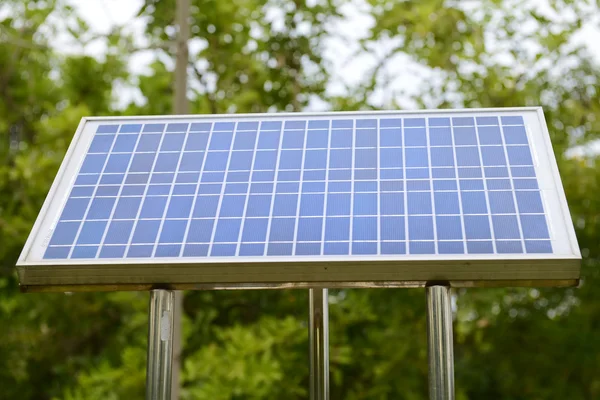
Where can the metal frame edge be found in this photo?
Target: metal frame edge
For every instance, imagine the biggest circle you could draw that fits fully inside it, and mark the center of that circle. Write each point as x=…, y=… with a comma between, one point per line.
x=314, y=113
x=568, y=222
x=42, y=214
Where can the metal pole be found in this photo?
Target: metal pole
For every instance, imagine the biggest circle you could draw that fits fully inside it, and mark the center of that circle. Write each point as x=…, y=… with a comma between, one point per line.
x=439, y=340
x=180, y=106
x=319, y=344
x=160, y=345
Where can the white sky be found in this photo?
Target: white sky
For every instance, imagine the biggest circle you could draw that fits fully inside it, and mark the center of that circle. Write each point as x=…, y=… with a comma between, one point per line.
x=346, y=70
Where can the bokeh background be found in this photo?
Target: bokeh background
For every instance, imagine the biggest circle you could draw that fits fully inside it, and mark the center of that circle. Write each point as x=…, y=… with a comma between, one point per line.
x=61, y=60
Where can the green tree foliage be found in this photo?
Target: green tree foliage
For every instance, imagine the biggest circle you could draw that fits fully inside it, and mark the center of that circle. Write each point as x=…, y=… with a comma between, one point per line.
x=249, y=55
x=255, y=56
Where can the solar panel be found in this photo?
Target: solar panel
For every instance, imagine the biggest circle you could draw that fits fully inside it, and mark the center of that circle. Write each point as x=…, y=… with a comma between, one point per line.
x=453, y=187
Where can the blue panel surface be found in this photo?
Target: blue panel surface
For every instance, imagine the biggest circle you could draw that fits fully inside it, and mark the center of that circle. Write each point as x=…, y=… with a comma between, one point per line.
x=305, y=186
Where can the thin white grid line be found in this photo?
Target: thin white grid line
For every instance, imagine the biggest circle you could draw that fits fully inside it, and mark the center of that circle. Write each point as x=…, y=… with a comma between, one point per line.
x=241, y=193
x=378, y=181
x=151, y=151
x=306, y=169
x=116, y=133
x=168, y=203
x=486, y=192
x=297, y=226
x=475, y=123
x=312, y=148
x=458, y=191
x=431, y=191
x=144, y=196
x=308, y=181
x=87, y=210
x=190, y=217
x=352, y=166
x=244, y=215
x=325, y=195
x=222, y=194
x=117, y=197
x=307, y=241
x=285, y=217
x=404, y=185
x=315, y=192
x=512, y=186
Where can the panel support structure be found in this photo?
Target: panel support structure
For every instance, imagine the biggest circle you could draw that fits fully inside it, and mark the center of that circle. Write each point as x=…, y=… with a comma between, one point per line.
x=440, y=344
x=160, y=345
x=319, y=344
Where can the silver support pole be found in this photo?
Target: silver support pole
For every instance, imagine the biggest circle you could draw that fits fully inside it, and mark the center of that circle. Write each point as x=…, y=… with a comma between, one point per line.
x=439, y=340
x=319, y=344
x=160, y=345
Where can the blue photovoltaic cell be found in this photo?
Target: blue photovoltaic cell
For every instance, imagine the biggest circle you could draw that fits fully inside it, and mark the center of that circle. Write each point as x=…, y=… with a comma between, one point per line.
x=305, y=186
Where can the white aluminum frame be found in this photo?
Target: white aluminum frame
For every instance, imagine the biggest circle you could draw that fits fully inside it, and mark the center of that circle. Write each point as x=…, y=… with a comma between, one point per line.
x=561, y=267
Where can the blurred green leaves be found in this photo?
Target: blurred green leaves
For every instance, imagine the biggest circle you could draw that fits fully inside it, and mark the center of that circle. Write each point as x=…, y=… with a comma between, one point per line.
x=254, y=56
x=269, y=350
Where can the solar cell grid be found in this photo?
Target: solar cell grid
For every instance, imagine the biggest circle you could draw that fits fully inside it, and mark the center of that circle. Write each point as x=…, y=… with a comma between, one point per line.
x=336, y=186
